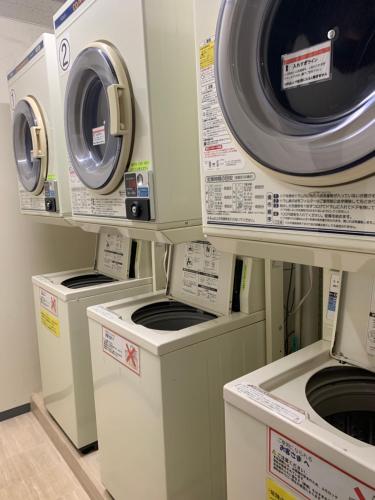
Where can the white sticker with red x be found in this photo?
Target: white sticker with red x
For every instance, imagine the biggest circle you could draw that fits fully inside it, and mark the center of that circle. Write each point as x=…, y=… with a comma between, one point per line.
x=122, y=350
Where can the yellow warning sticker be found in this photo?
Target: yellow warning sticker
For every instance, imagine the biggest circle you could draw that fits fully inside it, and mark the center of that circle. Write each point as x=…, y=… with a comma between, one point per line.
x=50, y=322
x=276, y=492
x=207, y=54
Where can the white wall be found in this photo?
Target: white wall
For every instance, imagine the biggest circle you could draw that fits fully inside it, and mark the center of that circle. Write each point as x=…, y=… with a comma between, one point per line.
x=15, y=38
x=26, y=247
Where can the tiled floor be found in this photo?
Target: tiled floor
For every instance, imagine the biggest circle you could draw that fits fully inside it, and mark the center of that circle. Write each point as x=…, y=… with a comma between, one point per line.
x=31, y=467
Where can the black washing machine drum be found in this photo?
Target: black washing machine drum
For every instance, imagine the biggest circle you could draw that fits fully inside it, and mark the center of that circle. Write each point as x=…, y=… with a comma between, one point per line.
x=314, y=130
x=344, y=396
x=170, y=316
x=87, y=280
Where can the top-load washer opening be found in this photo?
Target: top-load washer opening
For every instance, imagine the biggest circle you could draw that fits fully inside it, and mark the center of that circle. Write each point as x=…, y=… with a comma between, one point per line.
x=170, y=316
x=344, y=397
x=87, y=280
x=295, y=82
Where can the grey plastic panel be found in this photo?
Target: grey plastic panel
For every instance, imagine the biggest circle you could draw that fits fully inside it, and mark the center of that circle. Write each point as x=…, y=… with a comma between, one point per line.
x=29, y=168
x=86, y=108
x=304, y=145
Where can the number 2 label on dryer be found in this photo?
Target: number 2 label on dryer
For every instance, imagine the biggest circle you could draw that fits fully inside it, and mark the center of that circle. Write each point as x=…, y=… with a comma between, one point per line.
x=64, y=54
x=122, y=350
x=310, y=475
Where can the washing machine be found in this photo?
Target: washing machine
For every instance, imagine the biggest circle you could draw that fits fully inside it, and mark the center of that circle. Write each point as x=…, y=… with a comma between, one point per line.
x=159, y=365
x=128, y=83
x=286, y=105
x=122, y=269
x=303, y=427
x=38, y=130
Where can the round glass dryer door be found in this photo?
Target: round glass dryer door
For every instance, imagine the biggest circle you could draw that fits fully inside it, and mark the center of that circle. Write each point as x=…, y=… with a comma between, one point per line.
x=296, y=81
x=99, y=117
x=30, y=145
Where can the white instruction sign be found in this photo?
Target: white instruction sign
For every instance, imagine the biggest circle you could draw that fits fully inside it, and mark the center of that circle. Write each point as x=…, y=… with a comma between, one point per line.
x=255, y=199
x=273, y=404
x=219, y=148
x=87, y=202
x=122, y=350
x=29, y=201
x=113, y=252
x=310, y=65
x=201, y=270
x=311, y=475
x=98, y=136
x=48, y=301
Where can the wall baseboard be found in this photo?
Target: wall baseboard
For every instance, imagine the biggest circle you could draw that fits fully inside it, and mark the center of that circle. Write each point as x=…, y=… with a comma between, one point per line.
x=14, y=412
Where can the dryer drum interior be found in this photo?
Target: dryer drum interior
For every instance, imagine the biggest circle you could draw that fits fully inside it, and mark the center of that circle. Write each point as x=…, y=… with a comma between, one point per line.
x=321, y=121
x=87, y=280
x=29, y=168
x=170, y=316
x=86, y=108
x=98, y=151
x=345, y=398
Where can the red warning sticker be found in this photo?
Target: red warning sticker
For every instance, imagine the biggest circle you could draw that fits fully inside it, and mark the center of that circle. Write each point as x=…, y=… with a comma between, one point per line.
x=122, y=350
x=48, y=301
x=310, y=475
x=310, y=65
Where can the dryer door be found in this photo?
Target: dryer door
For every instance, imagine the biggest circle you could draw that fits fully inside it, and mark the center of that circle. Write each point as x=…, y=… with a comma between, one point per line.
x=99, y=117
x=30, y=145
x=295, y=80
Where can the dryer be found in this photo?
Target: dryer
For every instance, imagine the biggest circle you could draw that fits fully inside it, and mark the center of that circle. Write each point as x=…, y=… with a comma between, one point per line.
x=122, y=269
x=303, y=427
x=286, y=103
x=159, y=364
x=128, y=83
x=38, y=142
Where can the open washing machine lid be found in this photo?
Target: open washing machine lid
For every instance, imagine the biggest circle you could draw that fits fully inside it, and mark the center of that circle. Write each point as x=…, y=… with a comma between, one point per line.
x=295, y=81
x=201, y=276
x=354, y=336
x=115, y=255
x=30, y=145
x=99, y=117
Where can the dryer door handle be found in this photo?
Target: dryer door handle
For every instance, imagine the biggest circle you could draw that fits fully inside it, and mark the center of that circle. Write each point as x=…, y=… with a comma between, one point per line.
x=119, y=109
x=38, y=150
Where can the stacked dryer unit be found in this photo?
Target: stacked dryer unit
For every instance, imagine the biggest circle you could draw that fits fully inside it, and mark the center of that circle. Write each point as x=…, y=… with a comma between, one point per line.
x=286, y=98
x=286, y=104
x=122, y=269
x=38, y=132
x=130, y=111
x=159, y=365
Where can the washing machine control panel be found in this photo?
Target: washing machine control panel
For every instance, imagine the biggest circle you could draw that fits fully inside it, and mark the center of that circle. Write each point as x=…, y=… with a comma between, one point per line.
x=138, y=192
x=51, y=196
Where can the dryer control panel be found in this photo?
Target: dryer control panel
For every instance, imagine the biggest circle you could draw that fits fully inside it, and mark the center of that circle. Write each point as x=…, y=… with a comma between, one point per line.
x=139, y=196
x=51, y=196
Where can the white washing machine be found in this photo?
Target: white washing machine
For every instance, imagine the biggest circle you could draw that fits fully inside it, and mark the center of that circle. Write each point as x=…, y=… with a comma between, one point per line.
x=304, y=426
x=127, y=72
x=38, y=132
x=122, y=269
x=286, y=103
x=159, y=365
